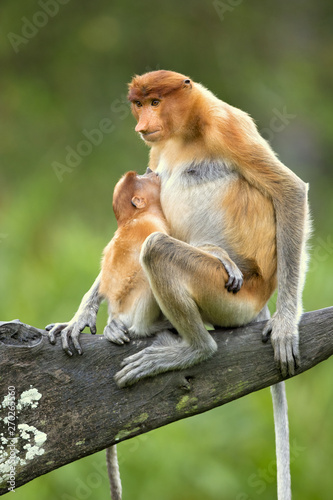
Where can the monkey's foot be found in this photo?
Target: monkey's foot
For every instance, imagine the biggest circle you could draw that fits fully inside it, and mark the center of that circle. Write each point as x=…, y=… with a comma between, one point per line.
x=116, y=332
x=167, y=353
x=285, y=343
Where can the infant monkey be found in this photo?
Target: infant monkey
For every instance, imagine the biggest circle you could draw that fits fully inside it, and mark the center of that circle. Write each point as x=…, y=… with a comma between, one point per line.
x=133, y=310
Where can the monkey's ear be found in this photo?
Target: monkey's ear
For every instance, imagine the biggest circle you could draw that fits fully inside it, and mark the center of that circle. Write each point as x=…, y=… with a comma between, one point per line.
x=138, y=202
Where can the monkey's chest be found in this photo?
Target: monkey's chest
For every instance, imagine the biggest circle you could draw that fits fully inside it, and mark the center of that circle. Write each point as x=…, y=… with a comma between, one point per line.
x=193, y=210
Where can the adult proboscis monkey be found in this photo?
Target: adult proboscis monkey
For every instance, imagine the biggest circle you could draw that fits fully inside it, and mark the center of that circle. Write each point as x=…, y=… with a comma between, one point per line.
x=236, y=214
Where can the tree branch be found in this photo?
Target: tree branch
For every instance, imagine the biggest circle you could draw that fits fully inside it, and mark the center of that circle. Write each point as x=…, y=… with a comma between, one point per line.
x=67, y=408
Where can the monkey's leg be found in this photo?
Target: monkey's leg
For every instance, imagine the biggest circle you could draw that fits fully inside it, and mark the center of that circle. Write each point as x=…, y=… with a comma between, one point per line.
x=176, y=271
x=85, y=316
x=167, y=353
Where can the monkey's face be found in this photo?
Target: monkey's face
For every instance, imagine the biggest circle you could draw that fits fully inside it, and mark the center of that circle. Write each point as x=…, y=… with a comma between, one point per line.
x=151, y=126
x=159, y=103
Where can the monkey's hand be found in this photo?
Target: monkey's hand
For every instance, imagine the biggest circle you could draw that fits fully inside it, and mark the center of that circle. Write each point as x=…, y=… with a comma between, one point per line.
x=235, y=280
x=84, y=317
x=284, y=338
x=116, y=332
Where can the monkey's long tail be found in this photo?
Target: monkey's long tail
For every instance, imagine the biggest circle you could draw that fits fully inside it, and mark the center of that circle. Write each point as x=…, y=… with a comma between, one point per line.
x=280, y=409
x=113, y=472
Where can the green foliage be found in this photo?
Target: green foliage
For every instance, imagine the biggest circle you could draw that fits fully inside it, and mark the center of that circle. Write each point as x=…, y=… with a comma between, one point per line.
x=67, y=136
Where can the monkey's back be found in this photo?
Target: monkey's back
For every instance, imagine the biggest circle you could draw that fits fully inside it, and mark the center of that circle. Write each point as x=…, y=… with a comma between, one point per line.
x=123, y=282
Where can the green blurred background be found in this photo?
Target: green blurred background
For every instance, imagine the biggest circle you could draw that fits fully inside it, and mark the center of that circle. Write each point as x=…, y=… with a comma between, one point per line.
x=64, y=69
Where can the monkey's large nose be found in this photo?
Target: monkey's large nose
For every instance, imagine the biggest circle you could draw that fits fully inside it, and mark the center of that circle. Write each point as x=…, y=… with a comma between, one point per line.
x=141, y=128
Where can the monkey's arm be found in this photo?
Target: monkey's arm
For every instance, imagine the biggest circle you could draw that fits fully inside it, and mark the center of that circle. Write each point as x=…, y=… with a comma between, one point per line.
x=262, y=169
x=291, y=230
x=85, y=316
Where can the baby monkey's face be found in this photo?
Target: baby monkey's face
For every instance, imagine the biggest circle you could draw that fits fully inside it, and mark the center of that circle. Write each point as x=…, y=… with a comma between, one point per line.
x=149, y=181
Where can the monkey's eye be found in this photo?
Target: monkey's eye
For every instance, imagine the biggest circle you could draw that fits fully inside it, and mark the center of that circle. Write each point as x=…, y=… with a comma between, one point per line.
x=155, y=102
x=138, y=104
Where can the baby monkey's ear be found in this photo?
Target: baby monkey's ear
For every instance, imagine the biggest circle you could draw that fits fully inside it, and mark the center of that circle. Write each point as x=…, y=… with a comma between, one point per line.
x=138, y=202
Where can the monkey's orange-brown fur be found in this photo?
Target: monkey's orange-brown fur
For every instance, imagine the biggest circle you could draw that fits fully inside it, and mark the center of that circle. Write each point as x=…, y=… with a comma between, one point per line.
x=158, y=84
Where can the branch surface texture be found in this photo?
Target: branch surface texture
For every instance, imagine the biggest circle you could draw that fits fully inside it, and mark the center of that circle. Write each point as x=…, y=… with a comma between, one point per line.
x=56, y=409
